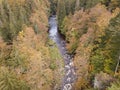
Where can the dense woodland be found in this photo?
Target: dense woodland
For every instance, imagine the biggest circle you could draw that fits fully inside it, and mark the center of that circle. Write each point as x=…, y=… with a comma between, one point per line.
x=26, y=60
x=91, y=29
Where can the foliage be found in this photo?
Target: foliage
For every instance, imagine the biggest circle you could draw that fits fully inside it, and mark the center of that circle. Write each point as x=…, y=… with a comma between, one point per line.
x=88, y=3
x=13, y=58
x=103, y=45
x=54, y=55
x=111, y=4
x=73, y=28
x=97, y=61
x=53, y=66
x=13, y=17
x=73, y=47
x=70, y=6
x=9, y=81
x=113, y=45
x=114, y=86
x=109, y=47
x=42, y=71
x=53, y=6
x=61, y=11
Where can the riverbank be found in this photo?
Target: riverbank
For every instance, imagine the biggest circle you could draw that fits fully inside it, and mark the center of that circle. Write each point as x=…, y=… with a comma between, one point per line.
x=69, y=76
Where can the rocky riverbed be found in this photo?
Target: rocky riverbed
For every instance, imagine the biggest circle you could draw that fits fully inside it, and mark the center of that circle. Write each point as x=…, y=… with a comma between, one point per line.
x=69, y=76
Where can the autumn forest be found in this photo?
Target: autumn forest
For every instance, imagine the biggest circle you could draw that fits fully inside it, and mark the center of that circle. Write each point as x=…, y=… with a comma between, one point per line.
x=59, y=44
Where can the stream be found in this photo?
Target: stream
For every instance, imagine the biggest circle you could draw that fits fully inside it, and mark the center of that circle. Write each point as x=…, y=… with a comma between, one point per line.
x=69, y=76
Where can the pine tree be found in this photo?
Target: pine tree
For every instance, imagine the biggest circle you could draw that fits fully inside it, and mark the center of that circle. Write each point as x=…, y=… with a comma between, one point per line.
x=9, y=81
x=61, y=11
x=115, y=86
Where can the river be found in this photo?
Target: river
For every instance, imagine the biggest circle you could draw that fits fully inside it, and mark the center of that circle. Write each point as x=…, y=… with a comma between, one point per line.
x=69, y=76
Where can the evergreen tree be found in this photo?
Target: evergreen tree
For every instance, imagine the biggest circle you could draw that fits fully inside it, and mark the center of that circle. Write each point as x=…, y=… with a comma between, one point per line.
x=113, y=35
x=61, y=11
x=8, y=81
x=115, y=86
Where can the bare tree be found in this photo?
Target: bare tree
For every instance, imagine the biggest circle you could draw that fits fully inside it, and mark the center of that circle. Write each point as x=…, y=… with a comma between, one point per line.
x=117, y=66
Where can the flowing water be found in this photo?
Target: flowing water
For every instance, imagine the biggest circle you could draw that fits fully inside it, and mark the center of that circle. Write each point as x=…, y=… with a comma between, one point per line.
x=69, y=77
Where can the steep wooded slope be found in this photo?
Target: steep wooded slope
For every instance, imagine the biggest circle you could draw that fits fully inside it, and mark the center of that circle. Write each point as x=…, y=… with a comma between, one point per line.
x=26, y=60
x=87, y=35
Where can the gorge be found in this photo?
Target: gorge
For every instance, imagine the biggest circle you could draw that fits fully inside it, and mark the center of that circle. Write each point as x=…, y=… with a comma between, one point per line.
x=69, y=76
x=59, y=44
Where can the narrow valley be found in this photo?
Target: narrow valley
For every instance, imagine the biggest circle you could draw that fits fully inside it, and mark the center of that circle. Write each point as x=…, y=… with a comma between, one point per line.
x=69, y=76
x=59, y=44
